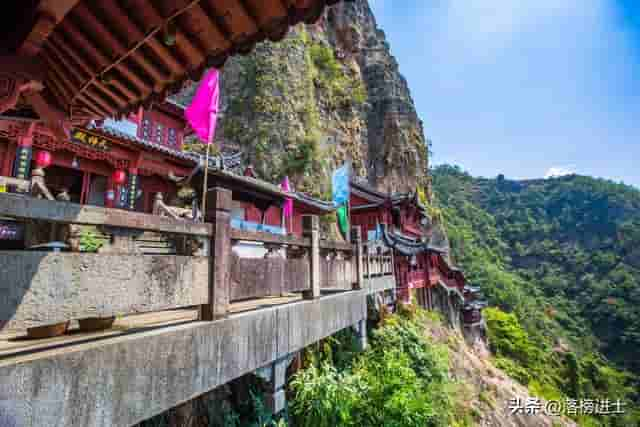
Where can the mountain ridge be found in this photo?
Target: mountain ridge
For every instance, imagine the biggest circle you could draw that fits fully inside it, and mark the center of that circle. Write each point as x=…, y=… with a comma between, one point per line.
x=558, y=260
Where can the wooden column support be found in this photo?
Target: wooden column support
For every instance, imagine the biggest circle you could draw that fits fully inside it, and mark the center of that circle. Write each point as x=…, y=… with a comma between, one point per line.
x=219, y=214
x=356, y=239
x=311, y=230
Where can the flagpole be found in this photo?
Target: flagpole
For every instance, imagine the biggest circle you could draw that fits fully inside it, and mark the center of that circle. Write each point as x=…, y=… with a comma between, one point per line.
x=205, y=183
x=349, y=205
x=202, y=114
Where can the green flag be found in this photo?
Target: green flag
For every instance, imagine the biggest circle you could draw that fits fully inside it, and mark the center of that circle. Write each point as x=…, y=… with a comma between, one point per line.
x=343, y=220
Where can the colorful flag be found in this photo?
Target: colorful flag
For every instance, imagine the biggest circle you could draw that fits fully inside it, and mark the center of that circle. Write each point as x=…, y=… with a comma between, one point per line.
x=288, y=203
x=340, y=183
x=343, y=220
x=202, y=114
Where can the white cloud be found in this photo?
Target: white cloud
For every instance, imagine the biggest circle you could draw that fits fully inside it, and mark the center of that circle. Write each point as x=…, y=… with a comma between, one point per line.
x=556, y=171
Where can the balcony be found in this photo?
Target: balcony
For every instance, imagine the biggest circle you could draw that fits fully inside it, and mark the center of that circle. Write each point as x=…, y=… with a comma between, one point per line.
x=188, y=312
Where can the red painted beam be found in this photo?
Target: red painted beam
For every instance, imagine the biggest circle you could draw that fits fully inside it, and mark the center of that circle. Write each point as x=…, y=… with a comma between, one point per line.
x=50, y=14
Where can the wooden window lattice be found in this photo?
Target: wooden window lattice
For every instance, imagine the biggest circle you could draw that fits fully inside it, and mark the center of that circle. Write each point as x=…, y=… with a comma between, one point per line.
x=172, y=138
x=146, y=129
x=159, y=134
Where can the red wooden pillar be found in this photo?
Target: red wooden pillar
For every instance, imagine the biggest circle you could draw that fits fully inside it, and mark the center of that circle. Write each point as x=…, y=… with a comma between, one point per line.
x=110, y=195
x=84, y=193
x=9, y=156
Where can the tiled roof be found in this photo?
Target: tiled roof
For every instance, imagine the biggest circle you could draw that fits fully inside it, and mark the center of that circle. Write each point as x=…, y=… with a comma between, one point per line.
x=116, y=129
x=320, y=204
x=112, y=129
x=119, y=129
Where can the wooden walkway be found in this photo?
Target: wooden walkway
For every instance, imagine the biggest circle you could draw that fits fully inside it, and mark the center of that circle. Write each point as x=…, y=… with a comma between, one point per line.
x=15, y=345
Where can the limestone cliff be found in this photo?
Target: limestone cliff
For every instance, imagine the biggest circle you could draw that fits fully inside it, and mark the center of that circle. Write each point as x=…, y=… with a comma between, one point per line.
x=328, y=93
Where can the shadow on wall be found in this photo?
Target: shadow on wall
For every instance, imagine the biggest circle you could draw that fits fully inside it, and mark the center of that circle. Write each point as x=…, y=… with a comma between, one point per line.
x=19, y=268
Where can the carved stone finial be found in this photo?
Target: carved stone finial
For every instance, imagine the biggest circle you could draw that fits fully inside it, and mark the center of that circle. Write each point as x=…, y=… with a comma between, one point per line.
x=63, y=195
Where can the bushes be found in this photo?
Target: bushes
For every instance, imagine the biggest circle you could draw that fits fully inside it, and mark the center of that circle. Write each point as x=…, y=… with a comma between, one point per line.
x=89, y=240
x=508, y=338
x=400, y=381
x=341, y=89
x=427, y=360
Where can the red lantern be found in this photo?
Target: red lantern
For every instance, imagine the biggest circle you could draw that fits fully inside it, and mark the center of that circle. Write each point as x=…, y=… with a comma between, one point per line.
x=43, y=159
x=119, y=176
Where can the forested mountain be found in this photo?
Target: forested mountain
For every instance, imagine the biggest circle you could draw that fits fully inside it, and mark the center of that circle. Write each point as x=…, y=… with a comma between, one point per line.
x=560, y=259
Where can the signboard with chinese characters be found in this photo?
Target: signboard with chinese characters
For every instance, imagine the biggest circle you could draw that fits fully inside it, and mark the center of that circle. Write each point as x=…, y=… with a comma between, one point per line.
x=133, y=191
x=22, y=165
x=10, y=230
x=123, y=197
x=84, y=138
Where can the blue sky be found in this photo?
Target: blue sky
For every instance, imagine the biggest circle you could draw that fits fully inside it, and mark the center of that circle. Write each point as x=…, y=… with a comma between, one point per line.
x=523, y=87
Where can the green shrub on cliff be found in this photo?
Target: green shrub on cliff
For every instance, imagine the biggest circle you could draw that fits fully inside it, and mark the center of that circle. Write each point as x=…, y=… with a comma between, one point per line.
x=340, y=87
x=400, y=381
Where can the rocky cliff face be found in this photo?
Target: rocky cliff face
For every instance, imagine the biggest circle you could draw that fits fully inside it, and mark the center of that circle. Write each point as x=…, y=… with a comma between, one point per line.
x=328, y=93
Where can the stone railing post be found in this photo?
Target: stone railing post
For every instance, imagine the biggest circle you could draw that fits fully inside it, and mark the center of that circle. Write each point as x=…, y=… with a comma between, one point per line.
x=356, y=239
x=311, y=229
x=361, y=334
x=219, y=214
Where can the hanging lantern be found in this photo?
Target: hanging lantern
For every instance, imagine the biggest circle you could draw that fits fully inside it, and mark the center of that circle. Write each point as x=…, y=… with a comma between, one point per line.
x=43, y=159
x=119, y=176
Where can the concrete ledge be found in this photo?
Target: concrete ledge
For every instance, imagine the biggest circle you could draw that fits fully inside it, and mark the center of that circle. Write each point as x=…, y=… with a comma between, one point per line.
x=41, y=288
x=379, y=284
x=125, y=380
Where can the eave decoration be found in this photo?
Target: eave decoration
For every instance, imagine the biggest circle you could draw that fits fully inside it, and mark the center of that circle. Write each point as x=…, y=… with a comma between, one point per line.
x=72, y=61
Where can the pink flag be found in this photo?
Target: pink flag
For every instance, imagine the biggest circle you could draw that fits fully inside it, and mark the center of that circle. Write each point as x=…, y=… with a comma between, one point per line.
x=202, y=114
x=288, y=203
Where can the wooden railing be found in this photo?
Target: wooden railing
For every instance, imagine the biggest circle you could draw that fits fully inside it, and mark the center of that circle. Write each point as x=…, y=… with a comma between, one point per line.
x=280, y=265
x=152, y=262
x=378, y=260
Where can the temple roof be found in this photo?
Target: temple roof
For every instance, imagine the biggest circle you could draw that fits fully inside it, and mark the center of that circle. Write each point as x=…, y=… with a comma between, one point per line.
x=118, y=130
x=405, y=245
x=321, y=205
x=362, y=189
x=113, y=129
x=107, y=58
